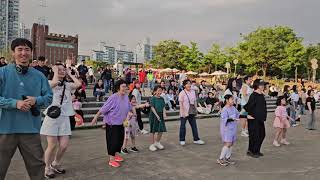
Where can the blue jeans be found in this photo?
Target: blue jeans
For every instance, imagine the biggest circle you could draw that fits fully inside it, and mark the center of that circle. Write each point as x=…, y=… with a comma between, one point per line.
x=107, y=85
x=151, y=84
x=302, y=109
x=194, y=128
x=293, y=114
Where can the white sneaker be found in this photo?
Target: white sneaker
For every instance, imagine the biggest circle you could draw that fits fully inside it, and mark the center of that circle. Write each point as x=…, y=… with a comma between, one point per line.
x=143, y=131
x=158, y=145
x=182, y=143
x=171, y=110
x=152, y=147
x=276, y=144
x=244, y=134
x=284, y=141
x=200, y=142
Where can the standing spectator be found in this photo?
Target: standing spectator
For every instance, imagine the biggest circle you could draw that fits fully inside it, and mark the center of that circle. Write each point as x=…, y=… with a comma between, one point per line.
x=91, y=75
x=182, y=77
x=83, y=70
x=239, y=82
x=136, y=92
x=302, y=100
x=294, y=106
x=98, y=91
x=231, y=89
x=188, y=103
x=151, y=80
x=2, y=61
x=128, y=75
x=20, y=120
x=34, y=63
x=106, y=76
x=42, y=66
x=115, y=111
x=142, y=78
x=311, y=106
x=245, y=93
x=57, y=130
x=257, y=115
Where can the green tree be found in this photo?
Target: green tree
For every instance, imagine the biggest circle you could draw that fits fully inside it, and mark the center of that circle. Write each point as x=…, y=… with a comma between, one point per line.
x=215, y=58
x=264, y=47
x=192, y=58
x=312, y=51
x=167, y=54
x=295, y=52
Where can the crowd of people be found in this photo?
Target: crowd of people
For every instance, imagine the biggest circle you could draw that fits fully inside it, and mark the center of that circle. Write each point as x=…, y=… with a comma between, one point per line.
x=61, y=89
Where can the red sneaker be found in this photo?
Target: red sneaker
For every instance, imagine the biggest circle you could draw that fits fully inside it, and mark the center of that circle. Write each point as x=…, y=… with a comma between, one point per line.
x=114, y=164
x=118, y=158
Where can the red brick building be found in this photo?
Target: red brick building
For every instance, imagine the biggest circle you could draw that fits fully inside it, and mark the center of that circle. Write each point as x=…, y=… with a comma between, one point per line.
x=55, y=47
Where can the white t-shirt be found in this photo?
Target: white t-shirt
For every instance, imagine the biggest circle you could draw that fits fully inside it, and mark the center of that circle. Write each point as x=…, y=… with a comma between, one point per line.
x=137, y=95
x=182, y=77
x=91, y=72
x=66, y=107
x=295, y=97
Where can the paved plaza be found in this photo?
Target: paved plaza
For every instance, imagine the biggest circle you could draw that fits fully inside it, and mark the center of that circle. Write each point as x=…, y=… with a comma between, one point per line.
x=86, y=158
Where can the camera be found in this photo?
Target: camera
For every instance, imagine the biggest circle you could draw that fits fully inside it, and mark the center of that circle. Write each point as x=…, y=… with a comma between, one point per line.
x=33, y=109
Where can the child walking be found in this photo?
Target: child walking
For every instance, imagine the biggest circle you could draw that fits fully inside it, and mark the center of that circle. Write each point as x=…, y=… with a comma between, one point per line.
x=156, y=119
x=281, y=122
x=131, y=128
x=228, y=130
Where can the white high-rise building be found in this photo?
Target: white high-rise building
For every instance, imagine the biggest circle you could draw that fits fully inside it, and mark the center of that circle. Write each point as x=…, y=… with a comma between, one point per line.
x=144, y=51
x=9, y=22
x=24, y=32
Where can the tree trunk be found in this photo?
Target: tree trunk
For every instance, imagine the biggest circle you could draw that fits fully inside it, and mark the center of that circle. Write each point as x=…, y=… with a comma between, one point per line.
x=296, y=74
x=308, y=73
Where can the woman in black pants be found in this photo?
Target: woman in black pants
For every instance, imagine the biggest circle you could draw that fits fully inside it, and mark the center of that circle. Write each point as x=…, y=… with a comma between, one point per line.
x=115, y=112
x=257, y=115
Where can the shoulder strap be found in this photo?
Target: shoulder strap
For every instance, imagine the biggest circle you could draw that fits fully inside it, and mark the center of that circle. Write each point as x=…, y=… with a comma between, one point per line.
x=187, y=96
x=63, y=92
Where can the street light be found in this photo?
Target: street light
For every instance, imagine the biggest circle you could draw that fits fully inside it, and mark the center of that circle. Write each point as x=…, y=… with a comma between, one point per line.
x=235, y=62
x=228, y=65
x=314, y=66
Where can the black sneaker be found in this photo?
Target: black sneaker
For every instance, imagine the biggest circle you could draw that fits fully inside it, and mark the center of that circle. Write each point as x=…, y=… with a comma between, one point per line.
x=252, y=154
x=298, y=120
x=57, y=169
x=49, y=174
x=260, y=154
x=230, y=161
x=124, y=151
x=134, y=149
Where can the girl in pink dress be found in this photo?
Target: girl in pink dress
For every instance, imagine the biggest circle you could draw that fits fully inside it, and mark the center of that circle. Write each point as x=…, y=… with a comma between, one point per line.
x=281, y=122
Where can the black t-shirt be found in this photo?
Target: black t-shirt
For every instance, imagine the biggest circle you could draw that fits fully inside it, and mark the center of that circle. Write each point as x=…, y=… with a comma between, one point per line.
x=44, y=69
x=82, y=69
x=313, y=103
x=257, y=106
x=211, y=101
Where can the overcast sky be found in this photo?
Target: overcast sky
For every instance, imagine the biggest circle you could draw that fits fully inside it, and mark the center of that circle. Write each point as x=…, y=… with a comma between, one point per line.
x=203, y=21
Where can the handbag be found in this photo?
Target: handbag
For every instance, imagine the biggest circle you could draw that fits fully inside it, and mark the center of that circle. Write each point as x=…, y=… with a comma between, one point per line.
x=192, y=107
x=55, y=111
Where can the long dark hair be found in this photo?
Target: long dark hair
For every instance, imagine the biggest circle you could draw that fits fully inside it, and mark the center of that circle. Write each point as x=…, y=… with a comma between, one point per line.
x=229, y=85
x=295, y=89
x=278, y=103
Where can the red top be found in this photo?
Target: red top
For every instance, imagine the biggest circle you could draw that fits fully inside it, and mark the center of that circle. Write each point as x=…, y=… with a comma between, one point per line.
x=142, y=76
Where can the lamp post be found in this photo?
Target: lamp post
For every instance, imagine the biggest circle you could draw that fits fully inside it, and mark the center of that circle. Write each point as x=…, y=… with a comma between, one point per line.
x=228, y=65
x=235, y=62
x=314, y=66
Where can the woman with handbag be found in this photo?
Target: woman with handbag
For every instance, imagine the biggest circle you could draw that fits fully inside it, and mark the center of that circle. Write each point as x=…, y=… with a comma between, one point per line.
x=56, y=124
x=115, y=111
x=188, y=111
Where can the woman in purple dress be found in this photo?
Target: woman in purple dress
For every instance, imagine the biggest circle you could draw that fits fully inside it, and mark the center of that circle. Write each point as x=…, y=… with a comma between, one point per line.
x=114, y=112
x=228, y=130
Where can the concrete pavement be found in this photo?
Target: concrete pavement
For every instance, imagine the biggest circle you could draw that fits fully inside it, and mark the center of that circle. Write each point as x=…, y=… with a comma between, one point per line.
x=86, y=158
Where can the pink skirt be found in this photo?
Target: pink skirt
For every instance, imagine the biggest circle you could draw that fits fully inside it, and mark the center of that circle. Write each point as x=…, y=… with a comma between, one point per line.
x=278, y=123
